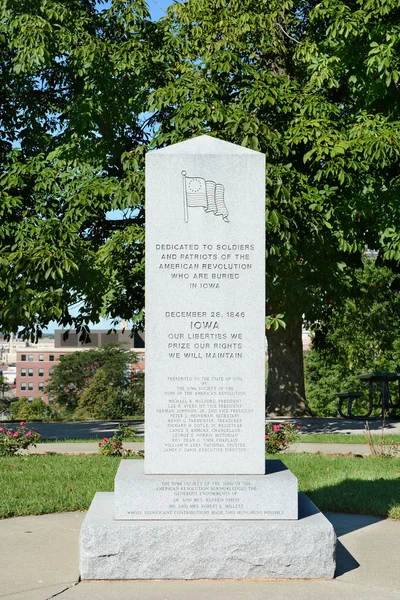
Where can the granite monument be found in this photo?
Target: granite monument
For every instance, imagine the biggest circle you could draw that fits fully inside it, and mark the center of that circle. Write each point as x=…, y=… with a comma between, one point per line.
x=204, y=503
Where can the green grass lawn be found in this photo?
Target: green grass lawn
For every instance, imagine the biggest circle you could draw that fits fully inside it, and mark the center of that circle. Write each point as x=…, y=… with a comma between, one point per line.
x=345, y=438
x=368, y=486
x=32, y=485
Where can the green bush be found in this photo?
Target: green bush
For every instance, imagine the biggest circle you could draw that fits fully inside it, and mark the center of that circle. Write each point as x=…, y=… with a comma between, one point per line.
x=278, y=436
x=359, y=335
x=12, y=440
x=37, y=410
x=102, y=400
x=114, y=446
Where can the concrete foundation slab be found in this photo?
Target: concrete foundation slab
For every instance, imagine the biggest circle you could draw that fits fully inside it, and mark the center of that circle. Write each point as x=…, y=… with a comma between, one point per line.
x=111, y=549
x=199, y=497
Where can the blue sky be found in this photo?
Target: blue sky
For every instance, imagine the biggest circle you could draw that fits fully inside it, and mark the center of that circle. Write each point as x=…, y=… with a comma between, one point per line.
x=157, y=7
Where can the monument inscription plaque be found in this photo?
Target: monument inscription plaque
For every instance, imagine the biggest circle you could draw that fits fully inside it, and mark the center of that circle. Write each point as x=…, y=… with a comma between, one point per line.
x=205, y=309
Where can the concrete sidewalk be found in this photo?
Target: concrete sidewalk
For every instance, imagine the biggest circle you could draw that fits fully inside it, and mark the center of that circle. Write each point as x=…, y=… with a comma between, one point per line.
x=76, y=448
x=40, y=561
x=93, y=448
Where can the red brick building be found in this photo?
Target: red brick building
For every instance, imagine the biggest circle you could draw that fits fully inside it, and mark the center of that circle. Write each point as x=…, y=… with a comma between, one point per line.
x=35, y=364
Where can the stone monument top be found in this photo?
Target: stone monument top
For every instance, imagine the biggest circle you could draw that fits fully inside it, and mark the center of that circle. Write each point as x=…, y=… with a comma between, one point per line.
x=204, y=144
x=205, y=309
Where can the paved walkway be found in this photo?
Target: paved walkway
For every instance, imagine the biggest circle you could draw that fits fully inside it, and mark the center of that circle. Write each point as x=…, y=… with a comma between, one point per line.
x=40, y=561
x=93, y=448
x=99, y=429
x=76, y=448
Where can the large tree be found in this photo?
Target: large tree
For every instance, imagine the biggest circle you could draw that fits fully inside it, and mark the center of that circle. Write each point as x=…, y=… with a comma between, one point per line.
x=75, y=373
x=314, y=86
x=74, y=81
x=360, y=335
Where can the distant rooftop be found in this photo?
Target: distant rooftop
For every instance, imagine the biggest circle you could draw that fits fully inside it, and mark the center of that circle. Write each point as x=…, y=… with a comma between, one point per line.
x=97, y=338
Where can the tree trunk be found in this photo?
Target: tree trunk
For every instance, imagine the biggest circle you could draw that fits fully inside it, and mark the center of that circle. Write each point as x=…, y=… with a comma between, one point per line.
x=286, y=391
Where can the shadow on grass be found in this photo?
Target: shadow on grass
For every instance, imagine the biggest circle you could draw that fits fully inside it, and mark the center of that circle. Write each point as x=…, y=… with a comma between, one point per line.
x=375, y=498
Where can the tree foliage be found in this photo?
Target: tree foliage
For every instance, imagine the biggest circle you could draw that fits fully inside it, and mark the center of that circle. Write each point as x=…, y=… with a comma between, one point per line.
x=37, y=410
x=359, y=336
x=99, y=400
x=314, y=86
x=73, y=82
x=76, y=371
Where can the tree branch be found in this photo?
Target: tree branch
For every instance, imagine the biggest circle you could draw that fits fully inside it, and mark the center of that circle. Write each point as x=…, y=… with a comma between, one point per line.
x=286, y=33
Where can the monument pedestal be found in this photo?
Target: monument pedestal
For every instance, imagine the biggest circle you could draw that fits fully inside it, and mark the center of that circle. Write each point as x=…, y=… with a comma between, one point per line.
x=205, y=527
x=207, y=549
x=139, y=496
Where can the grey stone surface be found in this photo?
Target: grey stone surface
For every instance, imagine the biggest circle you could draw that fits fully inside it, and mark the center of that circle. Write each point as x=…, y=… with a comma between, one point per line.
x=361, y=449
x=93, y=448
x=113, y=549
x=40, y=559
x=205, y=309
x=235, y=497
x=39, y=556
x=227, y=590
x=202, y=506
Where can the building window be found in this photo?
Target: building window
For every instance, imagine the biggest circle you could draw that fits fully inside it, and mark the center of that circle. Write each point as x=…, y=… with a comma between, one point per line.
x=51, y=399
x=51, y=358
x=23, y=385
x=30, y=386
x=30, y=398
x=23, y=357
x=23, y=372
x=51, y=371
x=30, y=372
x=41, y=372
x=30, y=357
x=40, y=386
x=41, y=397
x=41, y=357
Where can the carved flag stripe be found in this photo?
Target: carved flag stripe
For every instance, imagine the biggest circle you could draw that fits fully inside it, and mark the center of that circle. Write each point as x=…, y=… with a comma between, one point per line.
x=201, y=193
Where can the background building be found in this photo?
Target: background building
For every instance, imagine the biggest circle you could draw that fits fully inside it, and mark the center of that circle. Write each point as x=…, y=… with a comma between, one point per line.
x=35, y=363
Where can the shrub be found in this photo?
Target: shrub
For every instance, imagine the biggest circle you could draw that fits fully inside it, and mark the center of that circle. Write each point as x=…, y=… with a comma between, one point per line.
x=37, y=410
x=102, y=400
x=113, y=446
x=12, y=440
x=279, y=436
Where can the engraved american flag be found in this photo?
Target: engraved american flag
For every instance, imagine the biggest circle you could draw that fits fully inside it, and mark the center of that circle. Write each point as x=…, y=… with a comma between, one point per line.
x=203, y=193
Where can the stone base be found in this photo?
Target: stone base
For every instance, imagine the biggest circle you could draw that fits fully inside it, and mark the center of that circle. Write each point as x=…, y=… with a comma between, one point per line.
x=198, y=497
x=109, y=549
